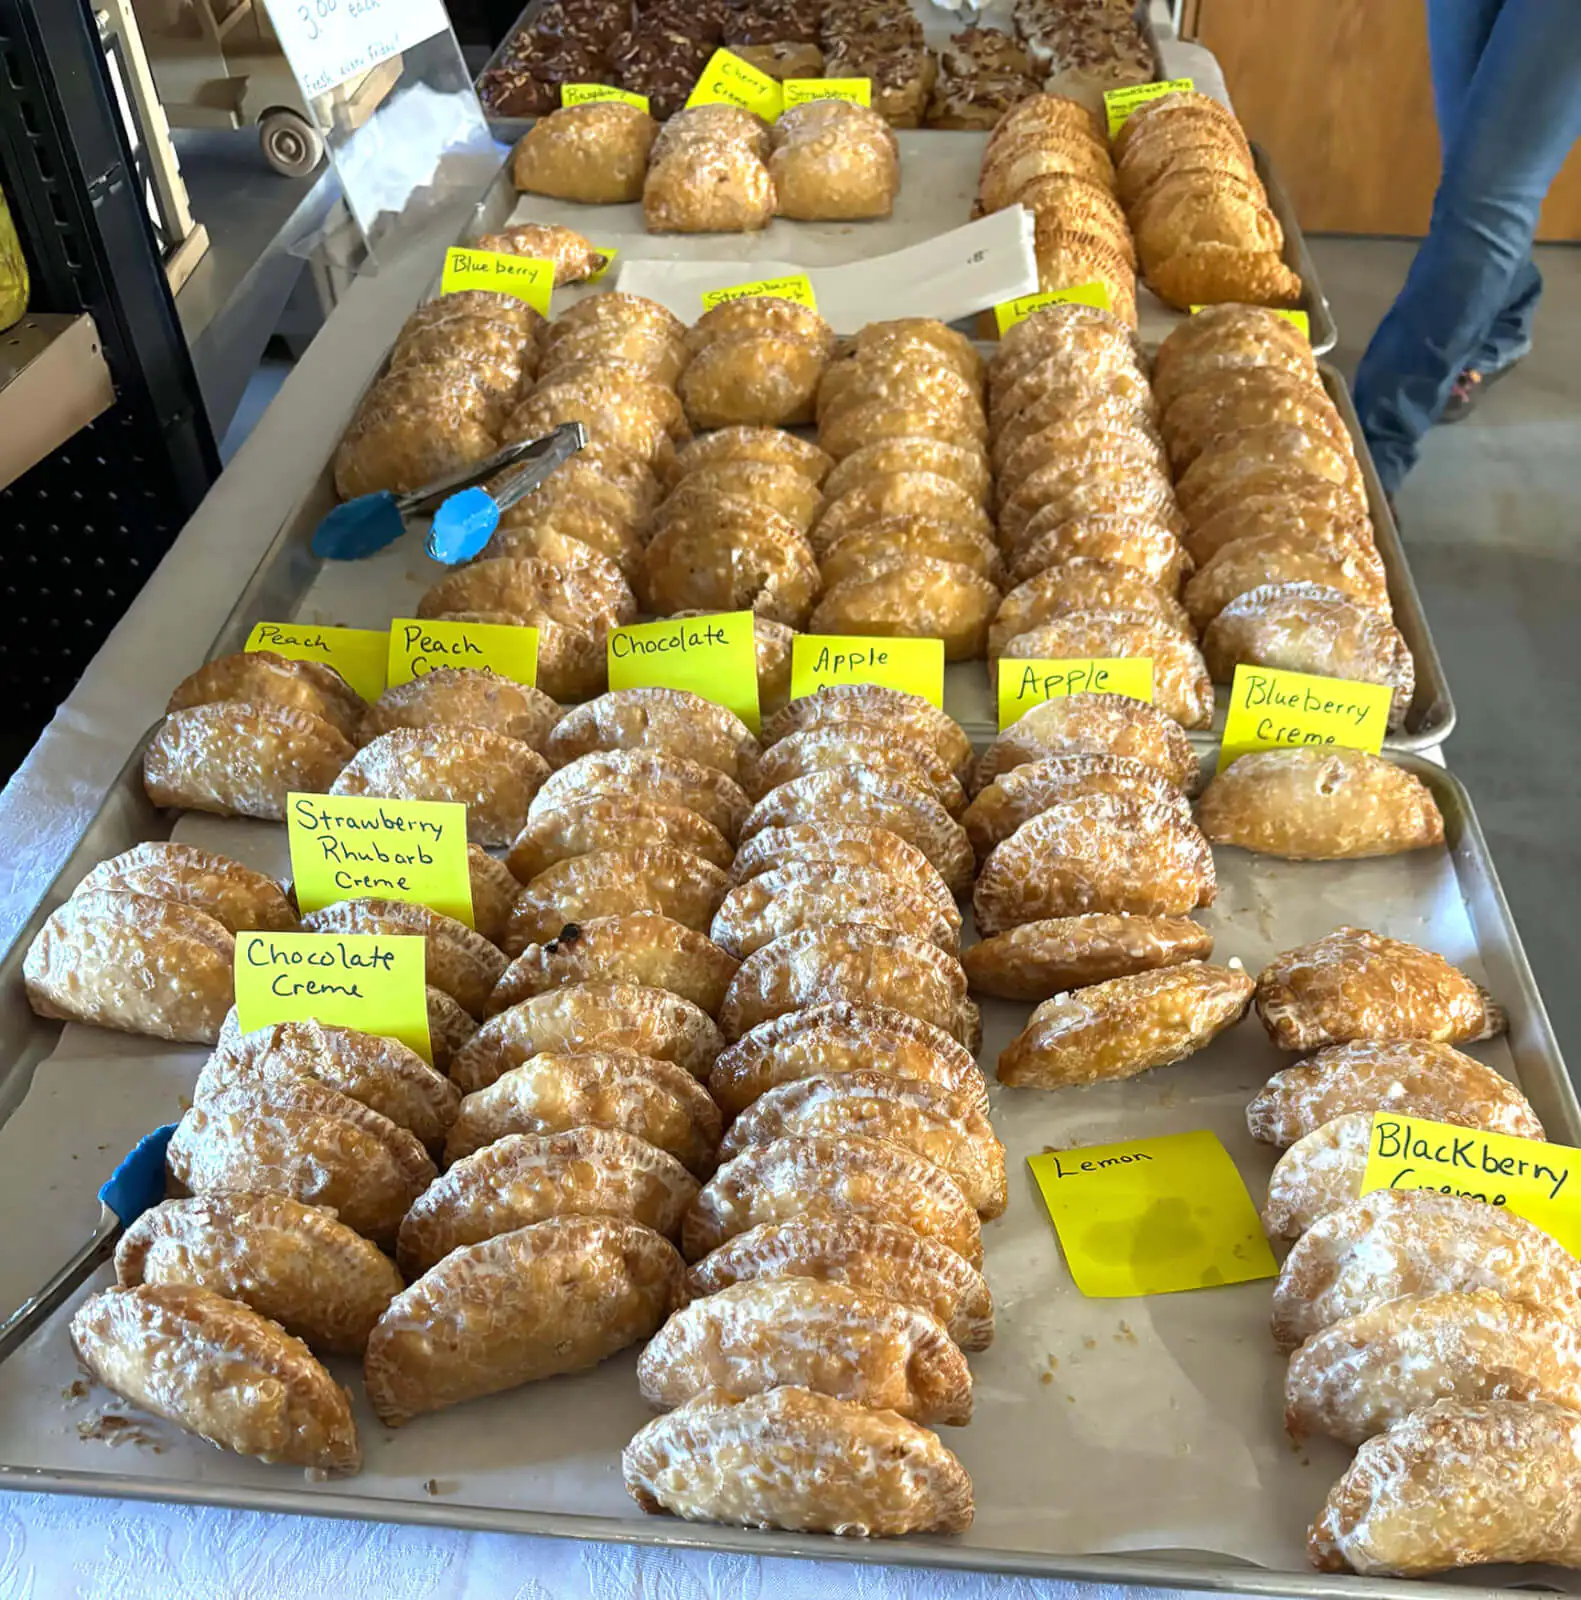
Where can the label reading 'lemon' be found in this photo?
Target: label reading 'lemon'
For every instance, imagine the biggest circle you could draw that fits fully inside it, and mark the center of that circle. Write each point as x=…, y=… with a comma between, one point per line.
x=1024, y=684
x=1009, y=312
x=728, y=80
x=1118, y=104
x=419, y=645
x=373, y=982
x=1152, y=1216
x=357, y=654
x=714, y=656
x=521, y=277
x=583, y=94
x=1270, y=709
x=353, y=847
x=797, y=287
x=915, y=666
x=798, y=91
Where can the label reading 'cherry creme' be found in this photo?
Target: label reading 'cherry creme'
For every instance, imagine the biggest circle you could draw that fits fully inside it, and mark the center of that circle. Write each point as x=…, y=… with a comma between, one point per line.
x=359, y=655
x=728, y=80
x=1024, y=684
x=714, y=656
x=1270, y=709
x=915, y=666
x=419, y=646
x=373, y=982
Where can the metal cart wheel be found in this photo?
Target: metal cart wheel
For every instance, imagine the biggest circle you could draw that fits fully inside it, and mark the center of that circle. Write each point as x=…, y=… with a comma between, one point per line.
x=291, y=144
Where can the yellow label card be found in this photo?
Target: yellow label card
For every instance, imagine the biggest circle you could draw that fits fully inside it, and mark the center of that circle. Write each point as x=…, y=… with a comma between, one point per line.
x=1298, y=318
x=713, y=656
x=582, y=94
x=1009, y=312
x=914, y=665
x=373, y=982
x=358, y=654
x=1269, y=708
x=1153, y=1216
x=352, y=847
x=798, y=91
x=797, y=287
x=729, y=80
x=417, y=646
x=1024, y=684
x=1525, y=1176
x=524, y=277
x=608, y=252
x=1118, y=104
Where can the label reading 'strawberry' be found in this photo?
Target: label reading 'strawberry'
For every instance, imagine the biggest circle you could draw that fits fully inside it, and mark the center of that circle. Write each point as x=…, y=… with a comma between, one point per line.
x=797, y=286
x=798, y=91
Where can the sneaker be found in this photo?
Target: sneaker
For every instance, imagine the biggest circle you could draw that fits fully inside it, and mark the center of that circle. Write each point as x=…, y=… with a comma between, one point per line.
x=1469, y=388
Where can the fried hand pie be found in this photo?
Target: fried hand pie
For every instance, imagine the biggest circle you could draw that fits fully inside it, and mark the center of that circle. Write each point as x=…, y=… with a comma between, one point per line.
x=262, y=678
x=650, y=774
x=857, y=743
x=461, y=695
x=235, y=896
x=1349, y=567
x=773, y=447
x=596, y=154
x=1320, y=1173
x=847, y=844
x=913, y=597
x=912, y=453
x=908, y=714
x=604, y=821
x=807, y=894
x=753, y=380
x=1039, y=959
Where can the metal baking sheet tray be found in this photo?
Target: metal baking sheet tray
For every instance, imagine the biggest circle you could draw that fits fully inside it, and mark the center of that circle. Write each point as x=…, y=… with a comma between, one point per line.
x=1133, y=1441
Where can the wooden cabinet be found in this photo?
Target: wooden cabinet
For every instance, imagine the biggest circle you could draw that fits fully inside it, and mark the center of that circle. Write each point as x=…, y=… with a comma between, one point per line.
x=1338, y=93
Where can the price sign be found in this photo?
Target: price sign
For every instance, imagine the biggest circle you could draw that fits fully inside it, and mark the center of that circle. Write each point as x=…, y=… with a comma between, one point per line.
x=328, y=42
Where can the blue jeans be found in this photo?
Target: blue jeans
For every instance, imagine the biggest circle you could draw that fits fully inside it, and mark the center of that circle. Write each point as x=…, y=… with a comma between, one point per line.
x=1507, y=91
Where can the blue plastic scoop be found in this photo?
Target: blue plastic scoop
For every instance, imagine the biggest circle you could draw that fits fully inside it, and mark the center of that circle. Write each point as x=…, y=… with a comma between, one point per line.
x=136, y=1186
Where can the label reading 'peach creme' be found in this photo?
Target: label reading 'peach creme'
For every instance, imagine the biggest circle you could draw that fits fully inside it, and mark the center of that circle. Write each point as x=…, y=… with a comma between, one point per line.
x=522, y=277
x=915, y=666
x=373, y=982
x=714, y=656
x=420, y=646
x=1270, y=709
x=357, y=654
x=1024, y=684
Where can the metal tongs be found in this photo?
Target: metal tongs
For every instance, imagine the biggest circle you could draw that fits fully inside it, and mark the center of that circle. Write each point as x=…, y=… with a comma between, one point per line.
x=465, y=513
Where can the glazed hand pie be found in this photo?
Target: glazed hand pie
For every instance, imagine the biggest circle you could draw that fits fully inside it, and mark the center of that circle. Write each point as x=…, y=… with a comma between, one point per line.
x=826, y=1337
x=1097, y=852
x=833, y=162
x=382, y=1073
x=1458, y=1485
x=1125, y=1026
x=1039, y=959
x=916, y=597
x=1396, y=1242
x=235, y=896
x=1411, y=1077
x=1366, y=1374
x=1127, y=540
x=880, y=1105
x=820, y=1174
x=836, y=1037
x=495, y=777
x=879, y=1258
x=583, y=1017
x=524, y=1178
x=857, y=963
x=302, y=1140
x=559, y=1296
x=573, y=257
x=462, y=695
x=608, y=883
x=578, y=597
x=853, y=844
x=262, y=678
x=857, y=744
x=642, y=947
x=653, y=1100
x=913, y=453
x=903, y=714
x=1320, y=1173
x=807, y=1462
x=909, y=535
x=241, y=760
x=1355, y=984
x=293, y=1264
x=650, y=775
x=676, y=720
x=596, y=154
x=134, y=963
x=606, y=821
x=219, y=1370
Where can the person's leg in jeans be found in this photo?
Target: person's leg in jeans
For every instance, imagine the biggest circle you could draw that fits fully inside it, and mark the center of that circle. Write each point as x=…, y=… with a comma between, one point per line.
x=1517, y=123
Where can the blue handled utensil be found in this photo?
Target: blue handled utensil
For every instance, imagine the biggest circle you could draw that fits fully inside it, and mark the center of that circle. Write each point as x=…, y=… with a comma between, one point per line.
x=466, y=521
x=136, y=1186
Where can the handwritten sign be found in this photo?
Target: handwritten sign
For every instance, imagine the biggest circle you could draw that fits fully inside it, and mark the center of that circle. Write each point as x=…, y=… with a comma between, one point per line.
x=1152, y=1216
x=1525, y=1176
x=1298, y=318
x=797, y=287
x=373, y=982
x=1024, y=684
x=1118, y=104
x=357, y=654
x=798, y=91
x=1270, y=709
x=328, y=42
x=915, y=666
x=353, y=847
x=1009, y=312
x=584, y=94
x=522, y=277
x=418, y=646
x=728, y=80
x=713, y=656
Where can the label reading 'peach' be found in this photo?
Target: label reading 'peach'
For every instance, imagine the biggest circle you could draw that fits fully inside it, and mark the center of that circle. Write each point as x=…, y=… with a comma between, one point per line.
x=1270, y=709
x=419, y=645
x=728, y=80
x=1009, y=312
x=584, y=94
x=354, y=847
x=522, y=277
x=1152, y=1216
x=1118, y=104
x=798, y=91
x=915, y=666
x=714, y=656
x=1024, y=684
x=373, y=982
x=797, y=286
x=358, y=654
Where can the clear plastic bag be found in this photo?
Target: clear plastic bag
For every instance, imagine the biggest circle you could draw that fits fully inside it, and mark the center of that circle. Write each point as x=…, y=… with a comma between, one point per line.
x=13, y=270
